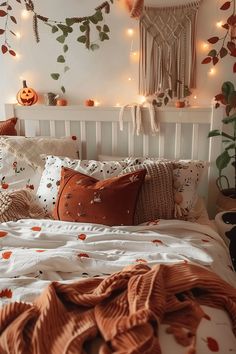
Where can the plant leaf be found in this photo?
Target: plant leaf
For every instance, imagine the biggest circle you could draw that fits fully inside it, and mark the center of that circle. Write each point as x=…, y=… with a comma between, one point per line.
x=213, y=40
x=55, y=76
x=212, y=53
x=223, y=160
x=207, y=60
x=214, y=132
x=61, y=39
x=226, y=5
x=81, y=39
x=54, y=29
x=229, y=119
x=106, y=29
x=63, y=90
x=94, y=46
x=4, y=49
x=61, y=59
x=223, y=52
x=65, y=48
x=66, y=68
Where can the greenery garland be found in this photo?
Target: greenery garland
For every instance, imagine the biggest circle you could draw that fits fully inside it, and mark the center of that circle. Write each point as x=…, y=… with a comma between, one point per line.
x=62, y=29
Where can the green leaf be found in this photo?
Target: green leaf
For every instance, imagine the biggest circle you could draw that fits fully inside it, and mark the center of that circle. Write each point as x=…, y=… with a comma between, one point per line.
x=65, y=48
x=223, y=160
x=215, y=132
x=66, y=68
x=61, y=39
x=94, y=46
x=63, y=90
x=99, y=28
x=83, y=28
x=227, y=88
x=93, y=19
x=232, y=99
x=103, y=36
x=54, y=29
x=212, y=53
x=166, y=100
x=99, y=15
x=229, y=119
x=106, y=29
x=65, y=29
x=231, y=146
x=61, y=59
x=55, y=76
x=81, y=39
x=71, y=21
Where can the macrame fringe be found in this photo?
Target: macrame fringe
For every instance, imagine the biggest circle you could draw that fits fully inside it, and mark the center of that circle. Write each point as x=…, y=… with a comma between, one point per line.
x=168, y=49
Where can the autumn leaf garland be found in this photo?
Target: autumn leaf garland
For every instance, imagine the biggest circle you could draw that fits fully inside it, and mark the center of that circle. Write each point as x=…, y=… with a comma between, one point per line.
x=227, y=42
x=62, y=29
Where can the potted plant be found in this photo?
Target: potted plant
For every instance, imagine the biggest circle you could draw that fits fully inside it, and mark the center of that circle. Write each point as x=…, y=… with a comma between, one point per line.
x=227, y=97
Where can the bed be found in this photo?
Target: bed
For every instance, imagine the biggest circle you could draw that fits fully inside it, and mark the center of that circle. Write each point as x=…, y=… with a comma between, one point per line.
x=44, y=257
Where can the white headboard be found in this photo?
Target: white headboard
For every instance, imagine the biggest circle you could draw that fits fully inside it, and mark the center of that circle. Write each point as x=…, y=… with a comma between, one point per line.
x=183, y=133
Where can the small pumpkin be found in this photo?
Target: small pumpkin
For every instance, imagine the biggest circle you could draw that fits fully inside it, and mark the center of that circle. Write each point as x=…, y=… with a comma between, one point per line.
x=26, y=96
x=89, y=103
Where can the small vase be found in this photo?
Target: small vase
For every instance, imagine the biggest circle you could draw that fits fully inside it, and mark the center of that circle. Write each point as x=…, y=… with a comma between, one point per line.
x=179, y=104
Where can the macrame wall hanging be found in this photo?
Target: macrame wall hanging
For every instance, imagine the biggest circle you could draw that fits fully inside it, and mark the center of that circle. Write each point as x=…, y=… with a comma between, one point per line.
x=168, y=49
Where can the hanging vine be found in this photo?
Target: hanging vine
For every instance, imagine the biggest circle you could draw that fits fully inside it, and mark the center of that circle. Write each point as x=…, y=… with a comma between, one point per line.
x=62, y=29
x=226, y=44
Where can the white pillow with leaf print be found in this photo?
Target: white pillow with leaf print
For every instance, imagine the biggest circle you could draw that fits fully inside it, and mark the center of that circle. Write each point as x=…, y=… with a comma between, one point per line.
x=50, y=181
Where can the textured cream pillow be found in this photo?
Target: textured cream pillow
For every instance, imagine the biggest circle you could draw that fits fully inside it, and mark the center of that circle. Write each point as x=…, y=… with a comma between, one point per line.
x=21, y=204
x=20, y=161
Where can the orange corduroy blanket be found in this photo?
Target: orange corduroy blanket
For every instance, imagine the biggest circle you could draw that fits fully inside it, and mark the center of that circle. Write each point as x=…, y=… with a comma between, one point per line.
x=125, y=309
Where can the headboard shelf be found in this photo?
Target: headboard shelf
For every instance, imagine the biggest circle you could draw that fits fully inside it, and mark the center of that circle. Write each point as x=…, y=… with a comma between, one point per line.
x=183, y=132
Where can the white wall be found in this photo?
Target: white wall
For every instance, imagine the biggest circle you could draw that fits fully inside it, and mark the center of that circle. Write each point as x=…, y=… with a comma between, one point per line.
x=101, y=75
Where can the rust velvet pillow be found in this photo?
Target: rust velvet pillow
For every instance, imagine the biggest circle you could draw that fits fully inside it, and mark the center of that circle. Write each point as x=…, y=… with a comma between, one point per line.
x=7, y=127
x=112, y=201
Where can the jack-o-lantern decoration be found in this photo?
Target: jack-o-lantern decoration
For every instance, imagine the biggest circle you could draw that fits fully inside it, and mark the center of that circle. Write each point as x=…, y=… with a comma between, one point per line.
x=26, y=96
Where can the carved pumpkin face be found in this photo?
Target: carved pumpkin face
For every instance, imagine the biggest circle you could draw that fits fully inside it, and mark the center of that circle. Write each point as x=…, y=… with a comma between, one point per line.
x=27, y=96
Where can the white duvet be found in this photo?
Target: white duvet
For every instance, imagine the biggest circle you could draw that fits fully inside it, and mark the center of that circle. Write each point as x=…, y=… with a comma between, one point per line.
x=35, y=252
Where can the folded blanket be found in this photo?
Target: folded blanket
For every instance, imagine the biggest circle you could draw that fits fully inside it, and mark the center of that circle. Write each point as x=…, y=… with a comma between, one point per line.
x=125, y=308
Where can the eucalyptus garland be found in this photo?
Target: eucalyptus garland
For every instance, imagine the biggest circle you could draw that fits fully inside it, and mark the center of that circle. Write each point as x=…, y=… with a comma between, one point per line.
x=61, y=29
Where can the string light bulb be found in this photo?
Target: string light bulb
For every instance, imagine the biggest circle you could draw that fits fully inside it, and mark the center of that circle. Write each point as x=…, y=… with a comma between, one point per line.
x=130, y=32
x=205, y=46
x=97, y=103
x=211, y=71
x=18, y=35
x=25, y=14
x=129, y=79
x=219, y=24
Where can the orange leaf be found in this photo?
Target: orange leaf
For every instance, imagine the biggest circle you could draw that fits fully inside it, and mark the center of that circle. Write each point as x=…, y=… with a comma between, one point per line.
x=12, y=52
x=36, y=228
x=213, y=40
x=234, y=68
x=82, y=237
x=207, y=60
x=232, y=20
x=225, y=6
x=2, y=13
x=40, y=251
x=83, y=255
x=4, y=49
x=157, y=241
x=3, y=233
x=212, y=344
x=6, y=255
x=6, y=293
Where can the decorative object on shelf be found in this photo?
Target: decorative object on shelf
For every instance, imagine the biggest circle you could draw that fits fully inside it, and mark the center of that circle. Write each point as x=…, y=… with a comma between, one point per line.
x=89, y=103
x=228, y=45
x=227, y=97
x=61, y=102
x=167, y=36
x=26, y=96
x=51, y=98
x=85, y=26
x=182, y=102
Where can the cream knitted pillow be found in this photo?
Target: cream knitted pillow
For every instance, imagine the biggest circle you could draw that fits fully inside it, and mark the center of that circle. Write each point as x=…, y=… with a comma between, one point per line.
x=20, y=204
x=156, y=197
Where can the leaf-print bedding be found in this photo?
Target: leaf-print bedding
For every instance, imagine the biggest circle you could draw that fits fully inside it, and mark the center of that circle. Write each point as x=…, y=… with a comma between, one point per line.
x=35, y=252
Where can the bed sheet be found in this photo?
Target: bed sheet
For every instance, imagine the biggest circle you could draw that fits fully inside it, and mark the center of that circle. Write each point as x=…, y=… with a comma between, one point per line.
x=36, y=252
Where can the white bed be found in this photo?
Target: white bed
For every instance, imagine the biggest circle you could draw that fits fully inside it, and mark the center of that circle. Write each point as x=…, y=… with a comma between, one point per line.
x=36, y=252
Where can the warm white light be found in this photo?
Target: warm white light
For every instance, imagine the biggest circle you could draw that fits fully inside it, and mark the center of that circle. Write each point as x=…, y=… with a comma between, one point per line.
x=211, y=71
x=97, y=103
x=195, y=97
x=17, y=56
x=219, y=24
x=18, y=35
x=129, y=79
x=134, y=56
x=142, y=99
x=117, y=104
x=205, y=46
x=130, y=32
x=25, y=14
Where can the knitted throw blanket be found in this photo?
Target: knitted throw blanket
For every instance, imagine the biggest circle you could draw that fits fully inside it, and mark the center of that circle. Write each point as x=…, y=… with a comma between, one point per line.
x=126, y=308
